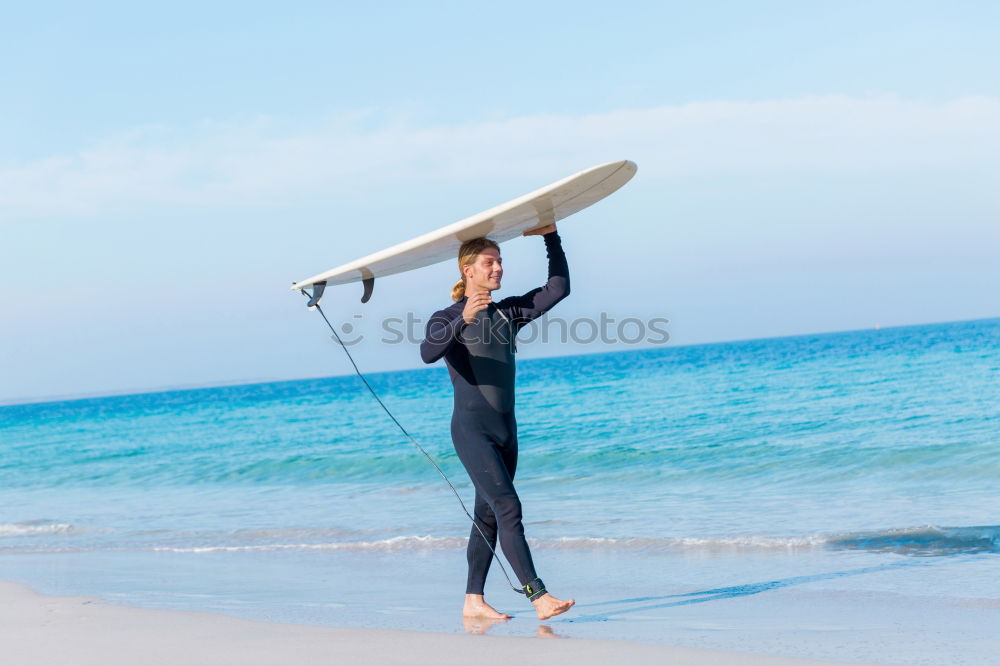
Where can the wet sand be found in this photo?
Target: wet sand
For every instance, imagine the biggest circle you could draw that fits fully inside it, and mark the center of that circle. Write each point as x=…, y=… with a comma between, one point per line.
x=47, y=630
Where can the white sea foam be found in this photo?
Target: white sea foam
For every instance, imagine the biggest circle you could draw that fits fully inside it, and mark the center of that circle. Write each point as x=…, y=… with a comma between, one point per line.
x=925, y=540
x=444, y=543
x=691, y=543
x=394, y=543
x=33, y=527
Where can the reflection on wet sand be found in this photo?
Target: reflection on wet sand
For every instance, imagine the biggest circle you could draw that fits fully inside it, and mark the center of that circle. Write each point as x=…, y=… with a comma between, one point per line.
x=482, y=625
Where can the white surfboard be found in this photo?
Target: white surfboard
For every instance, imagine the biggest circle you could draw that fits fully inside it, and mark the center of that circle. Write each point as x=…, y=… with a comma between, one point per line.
x=501, y=223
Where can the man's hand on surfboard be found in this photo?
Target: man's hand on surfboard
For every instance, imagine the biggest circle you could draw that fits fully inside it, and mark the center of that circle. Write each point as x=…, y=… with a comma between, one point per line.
x=475, y=303
x=541, y=231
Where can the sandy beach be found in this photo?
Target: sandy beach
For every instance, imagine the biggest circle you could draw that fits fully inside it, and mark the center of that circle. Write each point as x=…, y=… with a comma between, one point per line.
x=40, y=629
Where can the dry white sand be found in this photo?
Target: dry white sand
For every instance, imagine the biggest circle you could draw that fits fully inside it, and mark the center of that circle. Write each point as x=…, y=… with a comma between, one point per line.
x=51, y=631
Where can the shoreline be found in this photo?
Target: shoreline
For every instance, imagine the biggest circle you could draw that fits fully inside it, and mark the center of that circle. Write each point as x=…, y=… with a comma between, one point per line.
x=43, y=629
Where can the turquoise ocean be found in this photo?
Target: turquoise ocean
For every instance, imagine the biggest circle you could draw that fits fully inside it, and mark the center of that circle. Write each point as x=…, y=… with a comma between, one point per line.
x=833, y=495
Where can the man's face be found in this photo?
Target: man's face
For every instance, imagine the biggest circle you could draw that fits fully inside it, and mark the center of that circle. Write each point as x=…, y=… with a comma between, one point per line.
x=485, y=273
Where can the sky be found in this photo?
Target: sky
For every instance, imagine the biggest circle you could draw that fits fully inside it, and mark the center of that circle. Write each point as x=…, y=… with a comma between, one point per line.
x=167, y=172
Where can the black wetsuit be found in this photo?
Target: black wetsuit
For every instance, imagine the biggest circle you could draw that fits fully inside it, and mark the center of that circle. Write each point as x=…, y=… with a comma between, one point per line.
x=480, y=360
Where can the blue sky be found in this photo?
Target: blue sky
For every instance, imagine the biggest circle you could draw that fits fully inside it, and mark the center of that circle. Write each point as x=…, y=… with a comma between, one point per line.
x=166, y=172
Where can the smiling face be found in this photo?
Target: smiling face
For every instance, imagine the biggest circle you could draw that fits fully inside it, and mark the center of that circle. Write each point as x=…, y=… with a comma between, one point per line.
x=485, y=273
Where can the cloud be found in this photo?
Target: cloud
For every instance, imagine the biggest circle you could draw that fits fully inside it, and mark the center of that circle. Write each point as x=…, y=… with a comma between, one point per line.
x=266, y=163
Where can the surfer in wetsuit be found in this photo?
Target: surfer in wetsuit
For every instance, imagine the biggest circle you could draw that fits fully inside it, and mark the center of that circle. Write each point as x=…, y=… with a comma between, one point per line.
x=475, y=336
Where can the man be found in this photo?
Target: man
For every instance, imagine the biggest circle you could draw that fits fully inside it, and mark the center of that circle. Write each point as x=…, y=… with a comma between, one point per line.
x=476, y=338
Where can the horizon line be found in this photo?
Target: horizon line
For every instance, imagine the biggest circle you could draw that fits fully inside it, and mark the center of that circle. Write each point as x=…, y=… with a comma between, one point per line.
x=176, y=388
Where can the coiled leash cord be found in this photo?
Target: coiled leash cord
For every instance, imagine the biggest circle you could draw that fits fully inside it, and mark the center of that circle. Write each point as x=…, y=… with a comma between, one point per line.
x=420, y=448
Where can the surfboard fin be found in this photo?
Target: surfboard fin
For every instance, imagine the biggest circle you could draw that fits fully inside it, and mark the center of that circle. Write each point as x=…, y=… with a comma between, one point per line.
x=317, y=294
x=369, y=283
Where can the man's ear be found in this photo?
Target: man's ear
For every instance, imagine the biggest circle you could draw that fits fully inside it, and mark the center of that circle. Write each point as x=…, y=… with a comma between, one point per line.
x=467, y=271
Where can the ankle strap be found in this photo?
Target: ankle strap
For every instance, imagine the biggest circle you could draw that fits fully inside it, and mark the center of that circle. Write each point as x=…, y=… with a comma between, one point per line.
x=534, y=589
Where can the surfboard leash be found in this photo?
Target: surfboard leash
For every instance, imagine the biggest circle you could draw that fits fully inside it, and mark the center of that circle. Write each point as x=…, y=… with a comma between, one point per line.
x=399, y=425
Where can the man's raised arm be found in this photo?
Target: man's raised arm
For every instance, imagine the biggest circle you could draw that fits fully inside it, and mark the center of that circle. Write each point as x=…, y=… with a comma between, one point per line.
x=538, y=301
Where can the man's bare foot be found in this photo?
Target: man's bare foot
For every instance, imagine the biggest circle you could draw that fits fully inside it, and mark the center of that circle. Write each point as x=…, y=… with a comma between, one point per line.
x=476, y=606
x=547, y=606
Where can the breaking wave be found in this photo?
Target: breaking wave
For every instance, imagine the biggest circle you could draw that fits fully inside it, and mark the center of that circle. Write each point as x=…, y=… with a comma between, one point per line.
x=925, y=541
x=37, y=527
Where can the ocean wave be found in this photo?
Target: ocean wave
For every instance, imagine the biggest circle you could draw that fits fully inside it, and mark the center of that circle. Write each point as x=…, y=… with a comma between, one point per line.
x=757, y=456
x=37, y=527
x=567, y=543
x=393, y=543
x=684, y=543
x=922, y=541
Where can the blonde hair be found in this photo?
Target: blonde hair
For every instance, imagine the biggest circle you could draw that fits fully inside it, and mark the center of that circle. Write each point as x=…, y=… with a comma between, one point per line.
x=467, y=256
